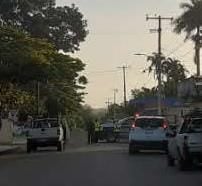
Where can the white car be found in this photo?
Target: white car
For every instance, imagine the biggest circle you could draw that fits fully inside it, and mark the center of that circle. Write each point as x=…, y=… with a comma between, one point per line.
x=185, y=145
x=148, y=133
x=45, y=132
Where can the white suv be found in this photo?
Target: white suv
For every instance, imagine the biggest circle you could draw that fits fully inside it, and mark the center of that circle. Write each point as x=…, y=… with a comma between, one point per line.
x=185, y=145
x=45, y=132
x=148, y=133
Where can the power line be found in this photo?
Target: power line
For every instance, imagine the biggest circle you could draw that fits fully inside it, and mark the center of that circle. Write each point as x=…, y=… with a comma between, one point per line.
x=176, y=49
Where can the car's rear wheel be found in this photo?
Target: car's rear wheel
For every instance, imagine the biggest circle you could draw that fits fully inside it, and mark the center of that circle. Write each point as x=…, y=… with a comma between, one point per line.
x=60, y=146
x=34, y=148
x=170, y=160
x=131, y=149
x=182, y=164
x=110, y=138
x=29, y=148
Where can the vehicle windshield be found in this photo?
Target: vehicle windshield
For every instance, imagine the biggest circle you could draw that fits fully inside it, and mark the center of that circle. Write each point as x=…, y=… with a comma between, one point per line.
x=45, y=124
x=195, y=126
x=149, y=123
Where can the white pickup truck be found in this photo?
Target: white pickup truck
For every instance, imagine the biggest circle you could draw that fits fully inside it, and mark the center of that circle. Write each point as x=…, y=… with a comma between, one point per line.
x=46, y=132
x=185, y=145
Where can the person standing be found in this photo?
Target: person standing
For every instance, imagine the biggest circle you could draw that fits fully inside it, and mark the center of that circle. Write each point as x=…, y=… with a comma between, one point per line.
x=97, y=131
x=90, y=130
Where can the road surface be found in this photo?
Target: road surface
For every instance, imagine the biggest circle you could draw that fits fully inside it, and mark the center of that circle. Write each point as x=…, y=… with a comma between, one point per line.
x=93, y=166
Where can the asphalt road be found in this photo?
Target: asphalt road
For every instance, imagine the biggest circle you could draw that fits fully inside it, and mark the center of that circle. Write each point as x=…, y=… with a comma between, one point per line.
x=93, y=166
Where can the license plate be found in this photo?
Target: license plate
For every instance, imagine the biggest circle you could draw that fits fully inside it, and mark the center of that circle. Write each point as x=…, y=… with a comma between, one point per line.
x=148, y=132
x=42, y=140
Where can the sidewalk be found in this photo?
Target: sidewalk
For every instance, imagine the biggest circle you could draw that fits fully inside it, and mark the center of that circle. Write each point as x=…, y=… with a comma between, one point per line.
x=18, y=143
x=7, y=149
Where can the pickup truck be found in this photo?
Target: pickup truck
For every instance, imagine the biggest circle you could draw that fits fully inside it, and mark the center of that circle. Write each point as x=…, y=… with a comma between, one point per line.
x=185, y=145
x=46, y=132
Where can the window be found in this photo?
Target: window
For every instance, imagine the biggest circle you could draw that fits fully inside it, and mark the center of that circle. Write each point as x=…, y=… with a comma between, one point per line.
x=45, y=124
x=195, y=126
x=149, y=122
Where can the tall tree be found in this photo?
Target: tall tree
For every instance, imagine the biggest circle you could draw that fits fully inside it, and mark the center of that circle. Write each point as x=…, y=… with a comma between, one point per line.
x=174, y=72
x=144, y=92
x=65, y=26
x=25, y=60
x=190, y=22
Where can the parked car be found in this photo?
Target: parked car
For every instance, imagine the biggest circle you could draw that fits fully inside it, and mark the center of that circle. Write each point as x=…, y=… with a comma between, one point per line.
x=125, y=126
x=185, y=145
x=46, y=132
x=148, y=132
x=108, y=132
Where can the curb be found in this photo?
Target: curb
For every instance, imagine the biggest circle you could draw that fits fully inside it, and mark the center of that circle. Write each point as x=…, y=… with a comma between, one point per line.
x=10, y=150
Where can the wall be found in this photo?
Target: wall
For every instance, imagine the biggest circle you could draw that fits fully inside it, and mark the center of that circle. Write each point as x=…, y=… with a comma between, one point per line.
x=6, y=134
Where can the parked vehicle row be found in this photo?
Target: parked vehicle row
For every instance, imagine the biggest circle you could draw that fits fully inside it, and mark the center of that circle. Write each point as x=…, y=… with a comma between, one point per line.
x=182, y=143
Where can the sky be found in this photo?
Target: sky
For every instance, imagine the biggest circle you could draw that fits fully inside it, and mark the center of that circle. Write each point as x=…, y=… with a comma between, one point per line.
x=117, y=30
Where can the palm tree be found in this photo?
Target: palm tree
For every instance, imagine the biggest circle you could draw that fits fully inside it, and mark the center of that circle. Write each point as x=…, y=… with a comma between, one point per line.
x=154, y=66
x=174, y=72
x=190, y=22
x=172, y=69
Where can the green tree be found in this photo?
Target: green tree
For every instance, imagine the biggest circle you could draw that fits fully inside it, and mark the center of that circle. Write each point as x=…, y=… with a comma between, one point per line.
x=190, y=19
x=143, y=92
x=65, y=26
x=25, y=61
x=190, y=22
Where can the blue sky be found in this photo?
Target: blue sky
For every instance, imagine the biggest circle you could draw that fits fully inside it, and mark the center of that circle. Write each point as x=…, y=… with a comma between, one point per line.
x=117, y=30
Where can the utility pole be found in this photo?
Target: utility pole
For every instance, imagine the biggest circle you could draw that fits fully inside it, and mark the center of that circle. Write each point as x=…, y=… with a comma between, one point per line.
x=108, y=104
x=114, y=109
x=38, y=97
x=124, y=84
x=197, y=50
x=159, y=30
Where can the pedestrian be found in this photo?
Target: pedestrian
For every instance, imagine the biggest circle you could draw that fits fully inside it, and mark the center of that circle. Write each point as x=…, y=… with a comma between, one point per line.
x=90, y=130
x=116, y=131
x=97, y=131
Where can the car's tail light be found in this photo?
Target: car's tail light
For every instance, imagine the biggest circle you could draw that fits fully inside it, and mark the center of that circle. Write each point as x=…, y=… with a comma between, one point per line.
x=133, y=125
x=165, y=124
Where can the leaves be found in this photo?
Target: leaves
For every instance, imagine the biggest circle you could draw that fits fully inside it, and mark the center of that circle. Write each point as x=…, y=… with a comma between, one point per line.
x=190, y=19
x=25, y=61
x=64, y=27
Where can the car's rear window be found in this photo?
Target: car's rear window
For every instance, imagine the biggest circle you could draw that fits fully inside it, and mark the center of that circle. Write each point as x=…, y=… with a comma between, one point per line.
x=45, y=124
x=149, y=122
x=195, y=126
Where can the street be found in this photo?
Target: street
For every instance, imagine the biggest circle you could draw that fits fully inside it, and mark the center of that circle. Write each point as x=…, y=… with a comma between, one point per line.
x=93, y=166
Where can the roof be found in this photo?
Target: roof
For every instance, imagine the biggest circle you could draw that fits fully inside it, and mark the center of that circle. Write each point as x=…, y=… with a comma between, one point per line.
x=152, y=102
x=41, y=119
x=125, y=119
x=150, y=117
